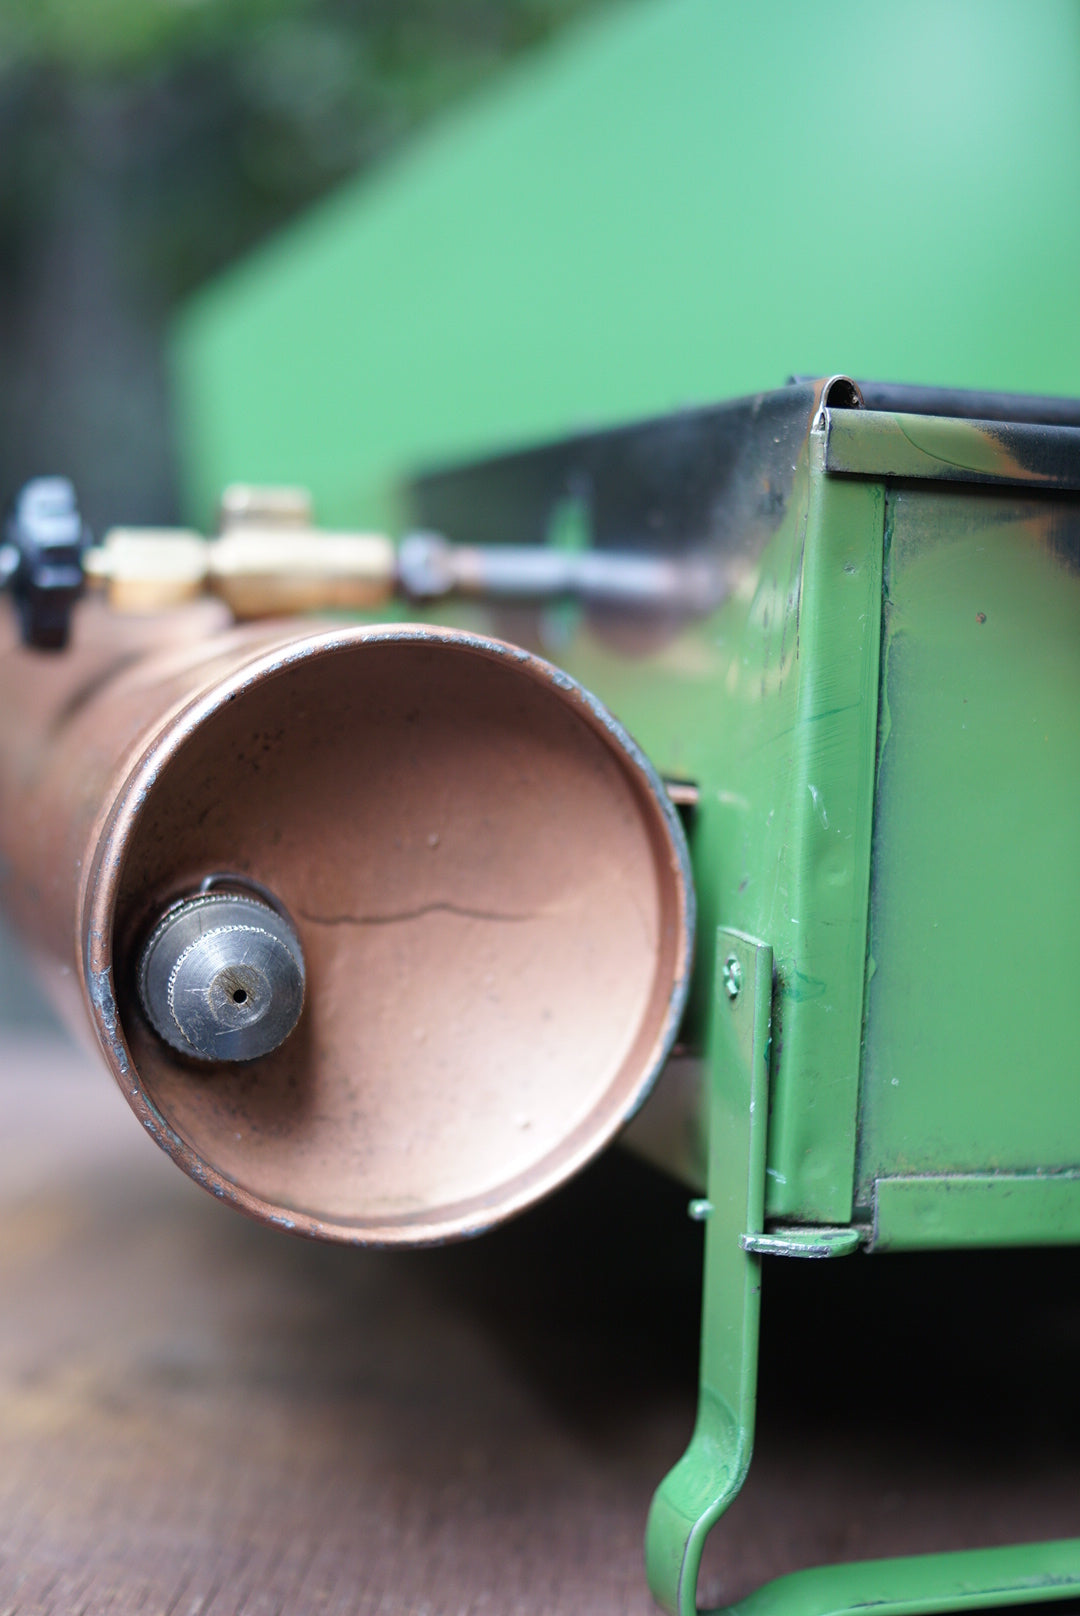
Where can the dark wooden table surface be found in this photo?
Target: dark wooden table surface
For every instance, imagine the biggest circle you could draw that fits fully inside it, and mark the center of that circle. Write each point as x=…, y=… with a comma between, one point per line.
x=202, y=1417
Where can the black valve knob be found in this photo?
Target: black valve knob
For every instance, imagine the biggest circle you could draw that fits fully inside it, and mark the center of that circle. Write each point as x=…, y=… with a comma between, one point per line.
x=41, y=559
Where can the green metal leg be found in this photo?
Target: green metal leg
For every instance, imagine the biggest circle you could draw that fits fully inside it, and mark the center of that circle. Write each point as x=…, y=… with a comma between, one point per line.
x=1023, y=1574
x=694, y=1495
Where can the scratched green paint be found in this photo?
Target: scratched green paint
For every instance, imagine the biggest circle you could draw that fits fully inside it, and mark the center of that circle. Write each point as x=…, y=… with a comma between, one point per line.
x=968, y=1040
x=970, y=1057
x=931, y=1210
x=771, y=706
x=967, y=1063
x=885, y=445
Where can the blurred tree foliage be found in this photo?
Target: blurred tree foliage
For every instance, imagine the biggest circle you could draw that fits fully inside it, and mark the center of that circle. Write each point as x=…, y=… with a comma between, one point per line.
x=219, y=118
x=145, y=143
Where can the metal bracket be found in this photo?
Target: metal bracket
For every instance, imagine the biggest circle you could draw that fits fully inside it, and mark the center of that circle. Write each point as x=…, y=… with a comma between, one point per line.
x=805, y=1240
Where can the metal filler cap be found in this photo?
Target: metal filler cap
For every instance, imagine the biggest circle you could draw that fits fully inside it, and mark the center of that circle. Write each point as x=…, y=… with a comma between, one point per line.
x=221, y=977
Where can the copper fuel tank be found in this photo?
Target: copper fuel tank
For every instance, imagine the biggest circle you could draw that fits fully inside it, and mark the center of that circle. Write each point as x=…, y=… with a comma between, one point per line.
x=383, y=931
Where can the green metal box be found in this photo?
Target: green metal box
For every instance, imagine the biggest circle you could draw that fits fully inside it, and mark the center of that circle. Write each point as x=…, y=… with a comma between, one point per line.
x=878, y=729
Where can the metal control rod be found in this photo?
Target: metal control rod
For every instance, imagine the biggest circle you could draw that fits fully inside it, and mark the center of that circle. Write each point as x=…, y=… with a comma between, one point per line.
x=430, y=566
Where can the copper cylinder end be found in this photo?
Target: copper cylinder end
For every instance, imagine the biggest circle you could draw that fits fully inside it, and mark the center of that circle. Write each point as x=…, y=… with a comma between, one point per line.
x=488, y=934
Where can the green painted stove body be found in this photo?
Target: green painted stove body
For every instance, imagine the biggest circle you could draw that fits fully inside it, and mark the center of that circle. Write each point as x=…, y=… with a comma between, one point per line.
x=884, y=729
x=881, y=724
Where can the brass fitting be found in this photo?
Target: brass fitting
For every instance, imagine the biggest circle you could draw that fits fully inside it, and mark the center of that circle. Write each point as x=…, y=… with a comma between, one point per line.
x=268, y=560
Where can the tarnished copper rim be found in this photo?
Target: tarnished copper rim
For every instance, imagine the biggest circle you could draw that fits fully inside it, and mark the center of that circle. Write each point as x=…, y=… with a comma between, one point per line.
x=99, y=890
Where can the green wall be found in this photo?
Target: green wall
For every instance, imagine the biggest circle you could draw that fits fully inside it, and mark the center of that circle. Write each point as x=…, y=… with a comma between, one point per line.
x=683, y=200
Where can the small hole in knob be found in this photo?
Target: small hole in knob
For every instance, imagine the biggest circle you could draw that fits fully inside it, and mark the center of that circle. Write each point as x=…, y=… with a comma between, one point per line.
x=239, y=996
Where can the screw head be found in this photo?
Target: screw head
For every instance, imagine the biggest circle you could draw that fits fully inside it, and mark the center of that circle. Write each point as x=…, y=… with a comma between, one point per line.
x=731, y=976
x=222, y=977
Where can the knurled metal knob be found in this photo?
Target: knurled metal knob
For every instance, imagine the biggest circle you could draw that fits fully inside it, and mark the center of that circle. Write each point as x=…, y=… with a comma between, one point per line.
x=221, y=977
